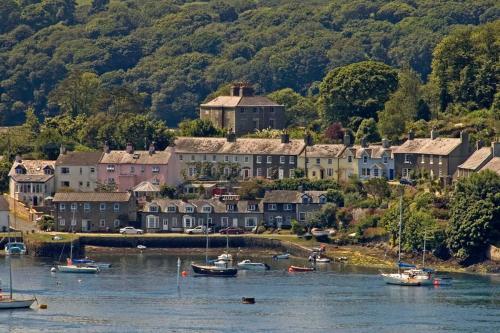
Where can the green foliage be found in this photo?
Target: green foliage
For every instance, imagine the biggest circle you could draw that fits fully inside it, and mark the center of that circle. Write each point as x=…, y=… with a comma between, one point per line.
x=5, y=166
x=297, y=228
x=368, y=130
x=474, y=216
x=336, y=197
x=359, y=89
x=299, y=110
x=199, y=128
x=252, y=189
x=167, y=191
x=305, y=184
x=378, y=188
x=46, y=223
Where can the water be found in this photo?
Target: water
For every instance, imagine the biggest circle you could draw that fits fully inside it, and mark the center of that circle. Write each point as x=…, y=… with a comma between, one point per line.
x=139, y=294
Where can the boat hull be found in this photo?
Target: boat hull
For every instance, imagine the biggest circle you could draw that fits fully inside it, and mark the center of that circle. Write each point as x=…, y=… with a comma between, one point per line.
x=254, y=266
x=404, y=280
x=6, y=304
x=282, y=256
x=300, y=269
x=214, y=270
x=77, y=269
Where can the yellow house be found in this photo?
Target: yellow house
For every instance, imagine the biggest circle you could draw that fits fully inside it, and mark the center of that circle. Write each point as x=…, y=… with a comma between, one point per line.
x=348, y=163
x=322, y=161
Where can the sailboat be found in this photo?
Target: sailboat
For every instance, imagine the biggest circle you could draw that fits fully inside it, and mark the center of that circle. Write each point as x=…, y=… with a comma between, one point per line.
x=10, y=302
x=410, y=276
x=219, y=268
x=226, y=256
x=72, y=267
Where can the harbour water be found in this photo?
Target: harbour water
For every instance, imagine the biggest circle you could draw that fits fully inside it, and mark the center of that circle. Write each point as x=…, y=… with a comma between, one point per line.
x=139, y=294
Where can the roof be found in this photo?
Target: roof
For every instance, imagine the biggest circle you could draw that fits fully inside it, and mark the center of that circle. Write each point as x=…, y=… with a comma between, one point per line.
x=31, y=178
x=92, y=196
x=373, y=151
x=493, y=165
x=288, y=196
x=234, y=101
x=136, y=157
x=33, y=167
x=79, y=158
x=4, y=204
x=438, y=146
x=476, y=159
x=240, y=146
x=218, y=206
x=146, y=186
x=325, y=150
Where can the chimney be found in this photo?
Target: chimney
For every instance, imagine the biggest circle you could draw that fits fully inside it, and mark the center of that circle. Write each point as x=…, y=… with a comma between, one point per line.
x=234, y=90
x=347, y=140
x=129, y=149
x=308, y=140
x=364, y=142
x=411, y=135
x=479, y=144
x=152, y=148
x=495, y=148
x=464, y=137
x=62, y=150
x=18, y=158
x=433, y=134
x=246, y=90
x=285, y=137
x=106, y=147
x=231, y=136
x=385, y=143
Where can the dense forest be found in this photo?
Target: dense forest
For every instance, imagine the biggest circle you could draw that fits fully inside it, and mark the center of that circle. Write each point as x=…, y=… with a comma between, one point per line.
x=166, y=56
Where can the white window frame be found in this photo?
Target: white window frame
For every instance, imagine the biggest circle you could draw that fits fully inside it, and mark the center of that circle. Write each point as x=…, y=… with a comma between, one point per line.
x=251, y=207
x=110, y=168
x=287, y=207
x=423, y=159
x=86, y=207
x=282, y=159
x=189, y=209
x=155, y=169
x=116, y=207
x=171, y=209
x=272, y=206
x=102, y=206
x=407, y=158
x=62, y=222
x=247, y=159
x=62, y=207
x=73, y=206
x=250, y=222
x=226, y=158
x=291, y=160
x=224, y=221
x=259, y=159
x=206, y=209
x=440, y=160
x=431, y=159
x=269, y=159
x=102, y=223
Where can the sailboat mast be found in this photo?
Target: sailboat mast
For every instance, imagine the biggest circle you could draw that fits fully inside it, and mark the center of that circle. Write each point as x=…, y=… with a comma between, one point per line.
x=206, y=249
x=423, y=254
x=400, y=227
x=10, y=258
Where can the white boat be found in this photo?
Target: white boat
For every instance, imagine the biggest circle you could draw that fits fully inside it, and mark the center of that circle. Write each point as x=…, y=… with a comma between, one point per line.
x=77, y=269
x=13, y=248
x=323, y=260
x=317, y=232
x=91, y=263
x=225, y=257
x=256, y=266
x=141, y=247
x=281, y=256
x=401, y=279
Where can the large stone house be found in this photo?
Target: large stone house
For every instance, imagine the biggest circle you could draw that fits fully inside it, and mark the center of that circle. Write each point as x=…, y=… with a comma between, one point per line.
x=236, y=158
x=482, y=158
x=125, y=169
x=166, y=215
x=31, y=181
x=439, y=157
x=93, y=211
x=280, y=207
x=77, y=171
x=242, y=112
x=322, y=161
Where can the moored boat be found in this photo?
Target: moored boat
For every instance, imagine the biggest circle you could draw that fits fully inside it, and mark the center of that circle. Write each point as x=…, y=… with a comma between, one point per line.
x=281, y=256
x=442, y=281
x=91, y=263
x=214, y=270
x=70, y=268
x=256, y=266
x=13, y=248
x=293, y=268
x=401, y=279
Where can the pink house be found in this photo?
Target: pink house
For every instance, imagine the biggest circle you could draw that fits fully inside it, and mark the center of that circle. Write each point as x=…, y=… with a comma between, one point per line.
x=127, y=168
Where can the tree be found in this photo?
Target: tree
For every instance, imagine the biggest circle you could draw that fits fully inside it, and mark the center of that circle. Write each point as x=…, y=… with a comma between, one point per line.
x=46, y=223
x=336, y=197
x=359, y=89
x=98, y=6
x=299, y=110
x=368, y=130
x=5, y=166
x=251, y=189
x=167, y=191
x=199, y=128
x=335, y=133
x=377, y=188
x=474, y=216
x=9, y=15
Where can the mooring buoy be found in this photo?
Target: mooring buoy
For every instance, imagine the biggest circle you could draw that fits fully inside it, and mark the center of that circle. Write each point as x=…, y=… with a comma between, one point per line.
x=248, y=300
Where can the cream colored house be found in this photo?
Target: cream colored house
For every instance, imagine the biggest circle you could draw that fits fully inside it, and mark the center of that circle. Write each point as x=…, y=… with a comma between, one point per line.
x=77, y=171
x=322, y=161
x=31, y=181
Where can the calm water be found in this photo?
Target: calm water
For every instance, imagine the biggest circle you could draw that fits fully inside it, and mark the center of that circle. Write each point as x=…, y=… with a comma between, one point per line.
x=139, y=294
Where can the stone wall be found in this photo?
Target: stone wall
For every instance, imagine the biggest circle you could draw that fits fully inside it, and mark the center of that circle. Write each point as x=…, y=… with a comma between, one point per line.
x=493, y=253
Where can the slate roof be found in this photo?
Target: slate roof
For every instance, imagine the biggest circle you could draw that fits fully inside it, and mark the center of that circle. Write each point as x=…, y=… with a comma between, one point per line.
x=31, y=178
x=217, y=205
x=242, y=146
x=92, y=197
x=136, y=157
x=493, y=165
x=234, y=101
x=33, y=167
x=288, y=196
x=476, y=159
x=79, y=158
x=438, y=146
x=373, y=151
x=325, y=150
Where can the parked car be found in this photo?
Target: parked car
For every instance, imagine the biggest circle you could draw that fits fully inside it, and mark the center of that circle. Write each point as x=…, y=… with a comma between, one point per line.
x=232, y=231
x=201, y=229
x=407, y=181
x=131, y=230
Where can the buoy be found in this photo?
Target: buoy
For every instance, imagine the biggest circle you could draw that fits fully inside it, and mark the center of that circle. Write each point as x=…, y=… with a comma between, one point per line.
x=79, y=280
x=248, y=300
x=184, y=273
x=43, y=306
x=290, y=269
x=53, y=270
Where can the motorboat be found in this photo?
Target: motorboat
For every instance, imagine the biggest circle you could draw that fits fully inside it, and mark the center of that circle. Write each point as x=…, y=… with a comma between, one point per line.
x=254, y=266
x=217, y=269
x=91, y=263
x=282, y=256
x=13, y=248
x=293, y=268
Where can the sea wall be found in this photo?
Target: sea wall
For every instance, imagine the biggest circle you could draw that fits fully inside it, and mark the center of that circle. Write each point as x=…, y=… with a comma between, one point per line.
x=53, y=249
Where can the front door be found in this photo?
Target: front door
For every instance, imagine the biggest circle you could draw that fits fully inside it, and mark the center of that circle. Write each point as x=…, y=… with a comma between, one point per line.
x=85, y=225
x=322, y=174
x=35, y=200
x=187, y=222
x=235, y=222
x=391, y=173
x=165, y=225
x=281, y=173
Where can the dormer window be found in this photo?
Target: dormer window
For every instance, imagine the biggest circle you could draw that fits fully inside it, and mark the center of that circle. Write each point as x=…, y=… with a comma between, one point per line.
x=385, y=159
x=153, y=208
x=322, y=199
x=365, y=159
x=156, y=169
x=189, y=209
x=48, y=170
x=171, y=209
x=20, y=170
x=349, y=159
x=407, y=158
x=251, y=207
x=206, y=209
x=306, y=199
x=230, y=207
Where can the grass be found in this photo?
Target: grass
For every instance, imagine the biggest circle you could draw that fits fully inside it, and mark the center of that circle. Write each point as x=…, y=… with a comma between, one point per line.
x=12, y=234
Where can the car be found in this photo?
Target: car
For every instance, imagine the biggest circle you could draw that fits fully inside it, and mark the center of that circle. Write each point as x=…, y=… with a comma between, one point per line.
x=407, y=181
x=201, y=229
x=232, y=231
x=131, y=230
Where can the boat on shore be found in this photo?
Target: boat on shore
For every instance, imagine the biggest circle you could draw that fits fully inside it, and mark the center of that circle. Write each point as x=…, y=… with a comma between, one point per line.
x=15, y=248
x=253, y=266
x=293, y=268
x=281, y=256
x=318, y=232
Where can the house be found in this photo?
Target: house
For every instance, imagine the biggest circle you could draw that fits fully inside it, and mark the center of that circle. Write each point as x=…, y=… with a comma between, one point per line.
x=479, y=160
x=375, y=161
x=280, y=207
x=125, y=169
x=493, y=165
x=31, y=181
x=236, y=158
x=439, y=157
x=93, y=211
x=77, y=170
x=347, y=161
x=171, y=215
x=242, y=112
x=322, y=161
x=4, y=214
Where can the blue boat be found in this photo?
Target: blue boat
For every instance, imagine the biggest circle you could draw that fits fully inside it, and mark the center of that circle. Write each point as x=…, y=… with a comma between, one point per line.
x=13, y=248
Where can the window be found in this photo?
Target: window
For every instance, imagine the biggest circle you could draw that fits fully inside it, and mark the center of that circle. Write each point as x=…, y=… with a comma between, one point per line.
x=64, y=184
x=259, y=172
x=191, y=171
x=282, y=159
x=206, y=209
x=440, y=172
x=250, y=222
x=165, y=224
x=407, y=158
x=102, y=223
x=64, y=170
x=181, y=157
x=62, y=207
x=385, y=159
x=318, y=161
x=431, y=159
x=330, y=161
x=406, y=173
x=251, y=207
x=189, y=209
x=214, y=158
x=73, y=206
x=116, y=223
x=92, y=170
x=349, y=159
x=365, y=159
x=224, y=221
x=86, y=207
x=363, y=171
x=287, y=207
x=48, y=171
x=329, y=172
x=193, y=158
x=269, y=160
x=155, y=181
x=80, y=183
x=291, y=160
x=269, y=172
x=111, y=180
x=235, y=159
x=230, y=207
x=322, y=199
x=209, y=221
x=259, y=159
x=153, y=208
x=306, y=199
x=271, y=206
x=88, y=184
x=171, y=209
x=204, y=157
x=110, y=168
x=226, y=158
x=423, y=159
x=440, y=160
x=375, y=172
x=156, y=169
x=314, y=173
x=247, y=159
x=102, y=206
x=302, y=216
x=153, y=222
x=62, y=222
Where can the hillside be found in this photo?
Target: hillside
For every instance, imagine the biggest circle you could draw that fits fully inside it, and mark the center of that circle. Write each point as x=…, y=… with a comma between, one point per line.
x=175, y=52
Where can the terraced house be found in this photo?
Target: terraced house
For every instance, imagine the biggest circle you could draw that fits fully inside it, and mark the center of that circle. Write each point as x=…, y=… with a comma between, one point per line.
x=77, y=171
x=322, y=161
x=485, y=158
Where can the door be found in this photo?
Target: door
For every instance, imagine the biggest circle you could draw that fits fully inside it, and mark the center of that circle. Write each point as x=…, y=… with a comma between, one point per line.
x=391, y=173
x=322, y=174
x=281, y=173
x=235, y=222
x=187, y=222
x=85, y=225
x=165, y=225
x=35, y=200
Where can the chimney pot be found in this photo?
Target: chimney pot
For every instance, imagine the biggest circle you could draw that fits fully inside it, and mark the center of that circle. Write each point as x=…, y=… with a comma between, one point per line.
x=130, y=148
x=385, y=143
x=152, y=148
x=285, y=138
x=18, y=158
x=411, y=135
x=433, y=134
x=231, y=136
x=364, y=142
x=106, y=147
x=347, y=140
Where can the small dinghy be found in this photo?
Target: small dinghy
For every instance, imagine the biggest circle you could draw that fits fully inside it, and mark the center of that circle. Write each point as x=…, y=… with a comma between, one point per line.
x=300, y=269
x=91, y=263
x=281, y=256
x=13, y=248
x=254, y=266
x=141, y=247
x=442, y=281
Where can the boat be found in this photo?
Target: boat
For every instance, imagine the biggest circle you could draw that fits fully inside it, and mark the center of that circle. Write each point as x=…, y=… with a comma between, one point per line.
x=401, y=279
x=82, y=269
x=318, y=232
x=8, y=302
x=323, y=260
x=254, y=266
x=91, y=263
x=225, y=257
x=218, y=268
x=141, y=247
x=12, y=248
x=293, y=268
x=442, y=281
x=282, y=256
